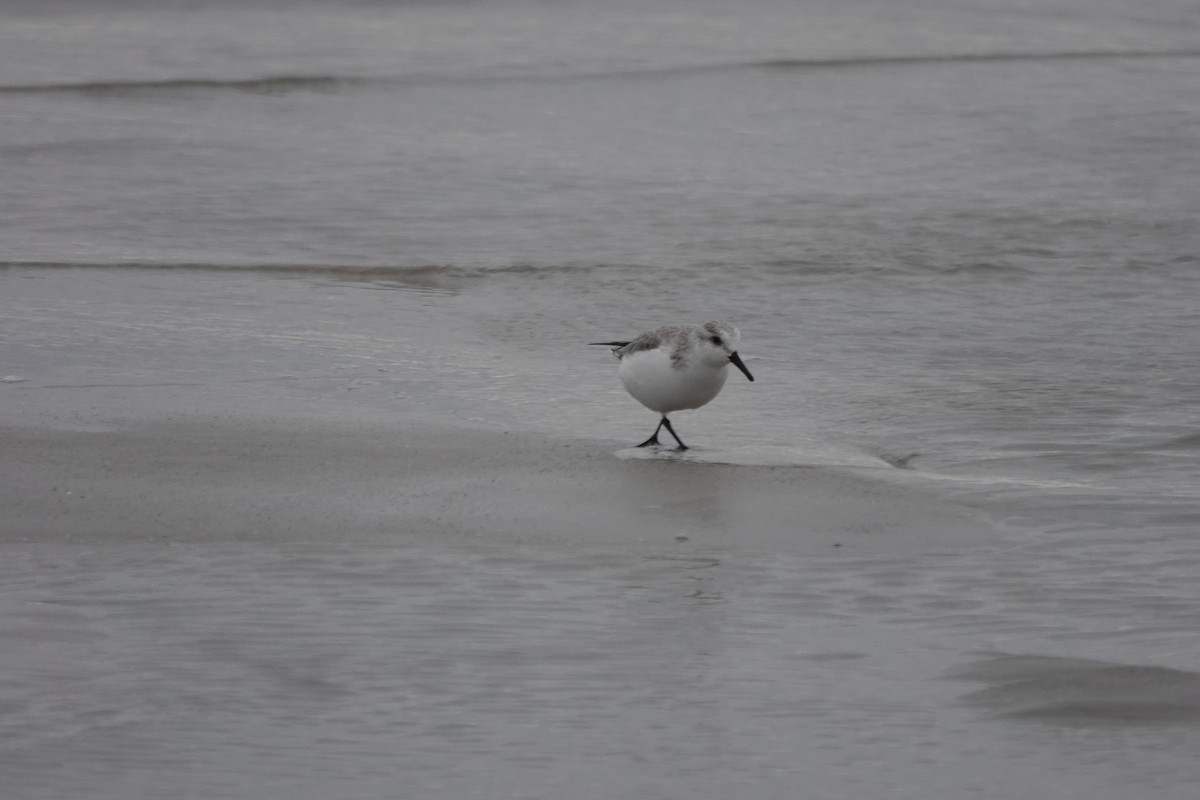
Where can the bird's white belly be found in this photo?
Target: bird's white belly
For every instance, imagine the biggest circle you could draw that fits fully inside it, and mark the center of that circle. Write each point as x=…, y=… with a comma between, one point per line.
x=655, y=382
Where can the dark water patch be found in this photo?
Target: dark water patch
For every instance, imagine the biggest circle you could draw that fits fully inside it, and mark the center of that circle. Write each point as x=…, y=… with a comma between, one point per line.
x=347, y=272
x=1190, y=441
x=961, y=58
x=977, y=268
x=874, y=61
x=397, y=272
x=899, y=264
x=898, y=461
x=819, y=266
x=434, y=278
x=271, y=84
x=1082, y=691
x=117, y=145
x=381, y=270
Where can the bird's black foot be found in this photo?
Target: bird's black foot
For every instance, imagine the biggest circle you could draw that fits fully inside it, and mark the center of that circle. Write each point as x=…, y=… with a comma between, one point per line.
x=671, y=431
x=653, y=440
x=654, y=436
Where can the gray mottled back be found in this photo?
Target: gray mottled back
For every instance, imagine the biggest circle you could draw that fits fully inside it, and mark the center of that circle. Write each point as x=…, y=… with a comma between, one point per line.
x=670, y=336
x=676, y=339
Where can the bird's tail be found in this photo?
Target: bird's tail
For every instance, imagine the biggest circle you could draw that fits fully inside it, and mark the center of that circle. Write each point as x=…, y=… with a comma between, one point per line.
x=616, y=346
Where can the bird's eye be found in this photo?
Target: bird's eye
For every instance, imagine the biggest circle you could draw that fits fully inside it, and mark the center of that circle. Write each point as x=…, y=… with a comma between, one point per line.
x=716, y=340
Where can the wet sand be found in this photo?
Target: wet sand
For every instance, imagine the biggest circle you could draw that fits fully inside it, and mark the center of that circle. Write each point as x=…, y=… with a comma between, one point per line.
x=98, y=472
x=243, y=593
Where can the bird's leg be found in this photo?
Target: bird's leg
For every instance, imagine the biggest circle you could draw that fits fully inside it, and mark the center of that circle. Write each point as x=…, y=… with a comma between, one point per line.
x=671, y=431
x=654, y=436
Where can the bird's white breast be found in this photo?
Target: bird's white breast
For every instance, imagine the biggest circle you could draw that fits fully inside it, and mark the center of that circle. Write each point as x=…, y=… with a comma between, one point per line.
x=660, y=384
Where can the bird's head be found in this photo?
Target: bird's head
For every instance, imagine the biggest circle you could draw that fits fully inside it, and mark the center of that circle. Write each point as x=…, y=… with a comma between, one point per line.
x=718, y=346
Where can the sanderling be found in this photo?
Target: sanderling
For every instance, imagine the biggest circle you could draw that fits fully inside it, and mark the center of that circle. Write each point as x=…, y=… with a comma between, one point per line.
x=677, y=367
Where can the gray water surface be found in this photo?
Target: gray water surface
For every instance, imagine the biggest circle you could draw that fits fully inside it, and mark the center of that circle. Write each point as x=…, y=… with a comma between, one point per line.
x=957, y=237
x=411, y=672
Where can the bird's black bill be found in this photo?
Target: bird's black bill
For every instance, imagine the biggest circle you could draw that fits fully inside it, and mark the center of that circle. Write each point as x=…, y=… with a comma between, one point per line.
x=737, y=362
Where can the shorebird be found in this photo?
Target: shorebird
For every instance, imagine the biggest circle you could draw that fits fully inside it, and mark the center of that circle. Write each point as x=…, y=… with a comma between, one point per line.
x=677, y=367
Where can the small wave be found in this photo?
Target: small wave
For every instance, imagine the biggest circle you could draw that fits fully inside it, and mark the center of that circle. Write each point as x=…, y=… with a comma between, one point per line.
x=274, y=84
x=279, y=84
x=376, y=270
x=1189, y=442
x=1082, y=691
x=434, y=278
x=121, y=144
x=333, y=271
x=995, y=268
x=441, y=279
x=960, y=58
x=213, y=267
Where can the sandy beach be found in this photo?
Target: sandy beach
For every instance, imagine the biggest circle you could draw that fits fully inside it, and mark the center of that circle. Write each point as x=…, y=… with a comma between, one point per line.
x=85, y=470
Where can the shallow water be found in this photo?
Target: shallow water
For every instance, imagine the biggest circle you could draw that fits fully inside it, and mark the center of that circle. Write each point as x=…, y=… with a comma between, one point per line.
x=958, y=238
x=409, y=671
